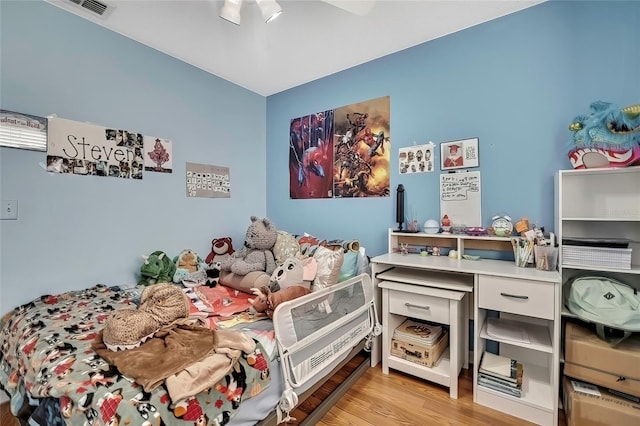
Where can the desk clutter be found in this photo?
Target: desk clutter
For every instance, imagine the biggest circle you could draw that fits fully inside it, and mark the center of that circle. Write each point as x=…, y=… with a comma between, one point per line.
x=419, y=342
x=532, y=248
x=501, y=374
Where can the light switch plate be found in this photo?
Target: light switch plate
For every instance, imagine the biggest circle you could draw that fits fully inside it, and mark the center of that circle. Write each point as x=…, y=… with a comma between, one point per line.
x=9, y=209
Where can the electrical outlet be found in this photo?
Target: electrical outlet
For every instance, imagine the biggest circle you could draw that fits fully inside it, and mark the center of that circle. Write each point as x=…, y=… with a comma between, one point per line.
x=9, y=209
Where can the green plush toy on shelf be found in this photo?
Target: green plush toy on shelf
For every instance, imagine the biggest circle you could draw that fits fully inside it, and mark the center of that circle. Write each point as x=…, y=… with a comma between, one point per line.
x=157, y=268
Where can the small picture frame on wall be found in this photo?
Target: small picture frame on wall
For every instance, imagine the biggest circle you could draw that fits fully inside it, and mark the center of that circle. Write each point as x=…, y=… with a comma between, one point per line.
x=459, y=154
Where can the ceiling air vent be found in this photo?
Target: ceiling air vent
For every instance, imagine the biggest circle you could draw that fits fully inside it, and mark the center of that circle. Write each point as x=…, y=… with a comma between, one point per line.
x=95, y=6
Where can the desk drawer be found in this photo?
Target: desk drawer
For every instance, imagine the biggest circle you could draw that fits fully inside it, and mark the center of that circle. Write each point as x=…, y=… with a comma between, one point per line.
x=517, y=296
x=419, y=306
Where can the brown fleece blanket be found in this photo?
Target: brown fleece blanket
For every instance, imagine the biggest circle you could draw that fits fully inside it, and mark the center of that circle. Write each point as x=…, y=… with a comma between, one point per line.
x=207, y=373
x=170, y=351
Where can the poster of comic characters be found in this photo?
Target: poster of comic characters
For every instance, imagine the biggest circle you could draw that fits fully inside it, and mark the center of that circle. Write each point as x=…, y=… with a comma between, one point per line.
x=416, y=159
x=208, y=181
x=343, y=152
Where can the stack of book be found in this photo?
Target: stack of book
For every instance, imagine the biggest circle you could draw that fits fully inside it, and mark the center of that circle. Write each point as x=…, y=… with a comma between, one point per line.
x=604, y=252
x=417, y=333
x=501, y=374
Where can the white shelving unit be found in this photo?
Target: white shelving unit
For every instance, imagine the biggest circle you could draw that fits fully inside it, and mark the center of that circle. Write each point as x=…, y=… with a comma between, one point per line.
x=598, y=203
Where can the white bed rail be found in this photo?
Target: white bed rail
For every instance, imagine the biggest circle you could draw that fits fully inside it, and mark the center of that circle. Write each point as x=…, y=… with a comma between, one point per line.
x=311, y=338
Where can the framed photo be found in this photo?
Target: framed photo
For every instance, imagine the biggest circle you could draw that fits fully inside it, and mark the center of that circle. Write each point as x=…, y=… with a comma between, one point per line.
x=459, y=154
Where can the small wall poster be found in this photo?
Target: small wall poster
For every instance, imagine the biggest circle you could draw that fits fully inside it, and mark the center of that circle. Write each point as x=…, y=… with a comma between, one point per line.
x=208, y=181
x=416, y=159
x=158, y=156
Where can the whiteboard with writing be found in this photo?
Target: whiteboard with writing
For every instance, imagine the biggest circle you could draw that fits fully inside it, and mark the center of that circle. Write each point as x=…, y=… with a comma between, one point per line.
x=460, y=198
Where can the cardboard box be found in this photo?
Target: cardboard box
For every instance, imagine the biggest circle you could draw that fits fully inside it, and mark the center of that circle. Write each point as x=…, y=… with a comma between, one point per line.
x=427, y=356
x=589, y=358
x=585, y=409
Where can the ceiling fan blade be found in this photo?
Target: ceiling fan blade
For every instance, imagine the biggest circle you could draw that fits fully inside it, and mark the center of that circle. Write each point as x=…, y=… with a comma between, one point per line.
x=361, y=7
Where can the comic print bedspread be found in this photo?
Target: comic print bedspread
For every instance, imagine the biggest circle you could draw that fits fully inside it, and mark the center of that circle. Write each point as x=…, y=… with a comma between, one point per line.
x=46, y=356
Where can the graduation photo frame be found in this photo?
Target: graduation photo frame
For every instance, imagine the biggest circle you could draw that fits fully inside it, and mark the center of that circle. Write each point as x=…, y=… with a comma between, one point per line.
x=459, y=154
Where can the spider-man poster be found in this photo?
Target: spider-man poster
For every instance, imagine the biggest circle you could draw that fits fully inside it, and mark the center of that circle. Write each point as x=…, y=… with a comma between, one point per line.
x=341, y=153
x=311, y=156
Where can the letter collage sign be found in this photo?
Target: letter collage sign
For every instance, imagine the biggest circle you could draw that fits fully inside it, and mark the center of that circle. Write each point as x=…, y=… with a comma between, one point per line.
x=89, y=149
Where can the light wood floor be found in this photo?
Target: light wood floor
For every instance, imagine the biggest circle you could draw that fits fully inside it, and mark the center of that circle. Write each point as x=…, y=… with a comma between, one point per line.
x=400, y=399
x=395, y=399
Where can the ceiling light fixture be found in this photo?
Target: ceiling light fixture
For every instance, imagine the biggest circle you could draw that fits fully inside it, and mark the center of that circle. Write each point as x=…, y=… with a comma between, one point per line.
x=270, y=9
x=231, y=11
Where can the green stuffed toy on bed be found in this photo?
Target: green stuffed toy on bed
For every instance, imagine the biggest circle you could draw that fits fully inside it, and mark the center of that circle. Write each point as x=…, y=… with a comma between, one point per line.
x=157, y=268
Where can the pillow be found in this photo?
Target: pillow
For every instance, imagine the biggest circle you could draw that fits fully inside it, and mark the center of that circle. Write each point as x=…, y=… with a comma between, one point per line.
x=308, y=244
x=349, y=266
x=244, y=283
x=286, y=246
x=329, y=264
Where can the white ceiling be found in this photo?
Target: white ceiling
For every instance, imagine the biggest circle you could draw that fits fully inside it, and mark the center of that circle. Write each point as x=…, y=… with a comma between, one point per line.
x=310, y=40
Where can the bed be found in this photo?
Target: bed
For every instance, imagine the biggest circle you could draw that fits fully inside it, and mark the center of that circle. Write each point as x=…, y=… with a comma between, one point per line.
x=51, y=370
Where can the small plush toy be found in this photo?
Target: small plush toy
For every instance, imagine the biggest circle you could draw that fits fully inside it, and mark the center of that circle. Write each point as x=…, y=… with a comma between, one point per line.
x=188, y=259
x=292, y=272
x=157, y=268
x=213, y=273
x=190, y=271
x=221, y=249
x=267, y=301
x=256, y=255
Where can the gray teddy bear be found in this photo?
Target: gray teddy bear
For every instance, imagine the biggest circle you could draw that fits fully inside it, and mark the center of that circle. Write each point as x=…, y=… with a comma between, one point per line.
x=256, y=255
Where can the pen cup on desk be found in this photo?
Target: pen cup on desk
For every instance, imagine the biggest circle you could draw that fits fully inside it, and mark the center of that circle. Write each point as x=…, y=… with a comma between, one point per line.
x=522, y=251
x=546, y=257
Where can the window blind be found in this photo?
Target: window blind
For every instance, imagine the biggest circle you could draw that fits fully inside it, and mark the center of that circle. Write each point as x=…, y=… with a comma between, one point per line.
x=23, y=131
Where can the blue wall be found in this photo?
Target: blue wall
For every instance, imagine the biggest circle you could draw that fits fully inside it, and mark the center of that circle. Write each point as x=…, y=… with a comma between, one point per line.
x=76, y=231
x=515, y=83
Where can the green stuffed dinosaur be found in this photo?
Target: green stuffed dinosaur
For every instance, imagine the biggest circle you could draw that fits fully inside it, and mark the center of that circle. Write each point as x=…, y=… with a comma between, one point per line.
x=157, y=268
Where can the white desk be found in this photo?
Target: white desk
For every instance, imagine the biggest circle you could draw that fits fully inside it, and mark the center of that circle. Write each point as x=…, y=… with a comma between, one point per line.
x=497, y=285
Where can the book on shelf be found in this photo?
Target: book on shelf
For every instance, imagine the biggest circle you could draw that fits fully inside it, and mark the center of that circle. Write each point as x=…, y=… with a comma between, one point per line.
x=503, y=382
x=501, y=367
x=418, y=333
x=513, y=391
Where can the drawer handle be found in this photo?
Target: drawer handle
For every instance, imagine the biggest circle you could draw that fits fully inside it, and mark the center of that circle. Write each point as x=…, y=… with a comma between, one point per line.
x=411, y=305
x=515, y=296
